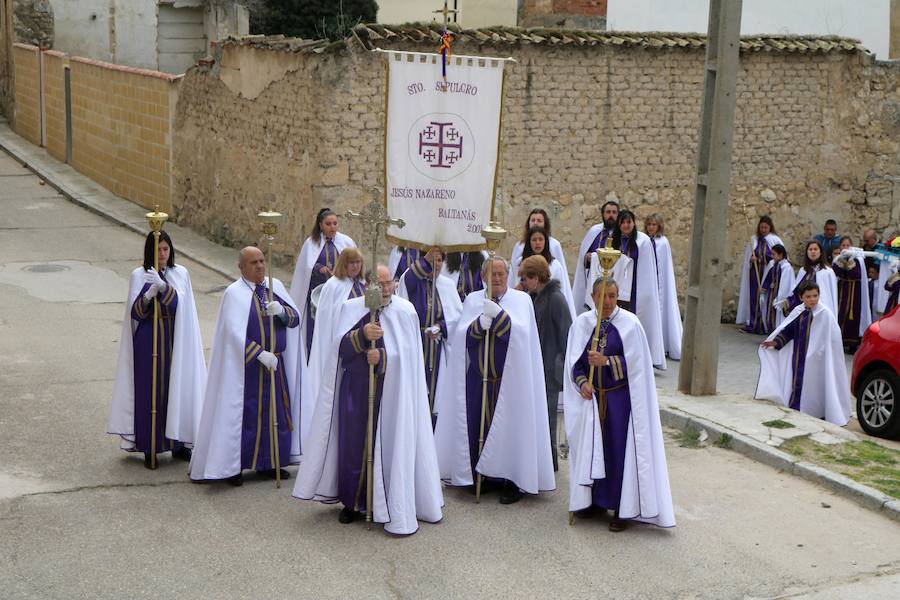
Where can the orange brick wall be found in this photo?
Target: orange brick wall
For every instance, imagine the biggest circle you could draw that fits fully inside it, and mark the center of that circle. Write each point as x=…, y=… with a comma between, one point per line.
x=121, y=129
x=55, y=103
x=27, y=115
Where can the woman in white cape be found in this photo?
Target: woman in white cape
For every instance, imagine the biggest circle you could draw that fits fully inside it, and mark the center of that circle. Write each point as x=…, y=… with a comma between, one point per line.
x=181, y=371
x=802, y=362
x=346, y=284
x=599, y=465
x=536, y=218
x=669, y=311
x=315, y=265
x=814, y=267
x=537, y=244
x=756, y=255
x=854, y=314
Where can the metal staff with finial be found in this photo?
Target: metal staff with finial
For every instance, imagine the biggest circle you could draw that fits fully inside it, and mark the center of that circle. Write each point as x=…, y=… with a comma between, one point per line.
x=607, y=257
x=493, y=234
x=270, y=220
x=373, y=217
x=446, y=39
x=156, y=220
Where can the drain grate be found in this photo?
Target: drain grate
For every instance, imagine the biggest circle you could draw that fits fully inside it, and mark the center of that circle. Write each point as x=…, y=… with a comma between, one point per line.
x=46, y=268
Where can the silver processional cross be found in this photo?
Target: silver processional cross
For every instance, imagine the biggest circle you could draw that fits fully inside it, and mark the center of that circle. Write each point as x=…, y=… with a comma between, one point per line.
x=374, y=218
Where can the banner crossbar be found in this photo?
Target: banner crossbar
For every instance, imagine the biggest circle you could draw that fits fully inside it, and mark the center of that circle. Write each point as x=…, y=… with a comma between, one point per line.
x=455, y=57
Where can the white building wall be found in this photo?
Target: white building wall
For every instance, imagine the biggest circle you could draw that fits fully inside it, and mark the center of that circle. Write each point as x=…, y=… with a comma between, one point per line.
x=472, y=13
x=866, y=20
x=136, y=26
x=82, y=28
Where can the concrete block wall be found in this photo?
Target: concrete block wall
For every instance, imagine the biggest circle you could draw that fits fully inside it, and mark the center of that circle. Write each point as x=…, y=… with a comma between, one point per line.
x=55, y=103
x=121, y=129
x=27, y=93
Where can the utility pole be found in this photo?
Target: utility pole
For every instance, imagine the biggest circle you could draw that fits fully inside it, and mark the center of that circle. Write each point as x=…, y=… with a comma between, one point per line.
x=703, y=297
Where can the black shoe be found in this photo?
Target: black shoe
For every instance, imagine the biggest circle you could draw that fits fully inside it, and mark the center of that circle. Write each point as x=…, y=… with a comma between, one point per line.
x=182, y=454
x=235, y=480
x=510, y=493
x=148, y=462
x=270, y=474
x=348, y=516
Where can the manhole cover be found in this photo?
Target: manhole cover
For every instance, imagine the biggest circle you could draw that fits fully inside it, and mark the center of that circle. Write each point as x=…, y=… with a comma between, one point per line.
x=46, y=268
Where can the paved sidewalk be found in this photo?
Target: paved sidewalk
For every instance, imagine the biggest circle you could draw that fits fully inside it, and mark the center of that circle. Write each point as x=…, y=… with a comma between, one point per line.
x=733, y=412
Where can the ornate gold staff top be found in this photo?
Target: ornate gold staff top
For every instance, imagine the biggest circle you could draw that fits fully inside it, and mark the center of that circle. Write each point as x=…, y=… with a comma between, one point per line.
x=270, y=220
x=156, y=220
x=493, y=234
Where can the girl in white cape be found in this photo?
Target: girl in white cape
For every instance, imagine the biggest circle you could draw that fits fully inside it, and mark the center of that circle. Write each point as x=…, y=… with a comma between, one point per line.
x=854, y=314
x=802, y=362
x=778, y=283
x=181, y=370
x=669, y=311
x=757, y=255
x=315, y=266
x=814, y=267
x=538, y=217
x=537, y=245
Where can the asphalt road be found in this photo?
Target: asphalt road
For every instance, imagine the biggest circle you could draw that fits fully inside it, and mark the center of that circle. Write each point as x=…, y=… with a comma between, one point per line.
x=80, y=519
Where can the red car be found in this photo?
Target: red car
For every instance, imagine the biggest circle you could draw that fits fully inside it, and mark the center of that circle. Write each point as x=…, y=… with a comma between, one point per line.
x=876, y=378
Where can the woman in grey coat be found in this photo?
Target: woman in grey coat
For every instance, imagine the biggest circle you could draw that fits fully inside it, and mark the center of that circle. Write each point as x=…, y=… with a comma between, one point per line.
x=551, y=311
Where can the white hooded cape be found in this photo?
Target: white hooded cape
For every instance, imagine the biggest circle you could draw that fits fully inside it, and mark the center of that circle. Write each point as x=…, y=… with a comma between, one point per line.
x=646, y=495
x=865, y=312
x=309, y=376
x=581, y=281
x=885, y=270
x=744, y=300
x=406, y=481
x=785, y=287
x=187, y=378
x=647, y=298
x=827, y=281
x=452, y=311
x=826, y=392
x=518, y=443
x=668, y=299
x=556, y=252
x=557, y=272
x=217, y=452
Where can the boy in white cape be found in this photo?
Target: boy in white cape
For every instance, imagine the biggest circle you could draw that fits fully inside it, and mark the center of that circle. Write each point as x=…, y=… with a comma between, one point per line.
x=802, y=362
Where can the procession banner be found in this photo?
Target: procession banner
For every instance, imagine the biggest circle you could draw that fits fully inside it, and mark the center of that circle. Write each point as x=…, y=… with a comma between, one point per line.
x=441, y=148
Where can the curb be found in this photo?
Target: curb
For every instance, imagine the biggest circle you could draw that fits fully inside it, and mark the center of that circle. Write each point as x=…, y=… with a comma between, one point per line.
x=863, y=495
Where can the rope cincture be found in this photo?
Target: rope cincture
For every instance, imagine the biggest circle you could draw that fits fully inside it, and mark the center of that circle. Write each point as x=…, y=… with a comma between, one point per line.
x=446, y=52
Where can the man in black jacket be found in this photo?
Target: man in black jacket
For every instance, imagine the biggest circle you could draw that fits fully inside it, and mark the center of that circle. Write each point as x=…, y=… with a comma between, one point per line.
x=553, y=321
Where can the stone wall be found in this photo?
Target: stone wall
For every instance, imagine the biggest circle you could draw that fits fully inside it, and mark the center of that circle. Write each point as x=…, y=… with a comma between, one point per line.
x=27, y=76
x=816, y=136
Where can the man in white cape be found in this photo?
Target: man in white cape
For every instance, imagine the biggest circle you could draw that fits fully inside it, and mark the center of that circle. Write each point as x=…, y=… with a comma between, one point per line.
x=516, y=436
x=406, y=481
x=617, y=460
x=802, y=362
x=187, y=373
x=593, y=239
x=236, y=429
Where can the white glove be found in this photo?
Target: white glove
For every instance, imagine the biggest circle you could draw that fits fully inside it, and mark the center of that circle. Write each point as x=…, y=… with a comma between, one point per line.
x=274, y=308
x=269, y=360
x=156, y=283
x=151, y=292
x=485, y=321
x=434, y=330
x=491, y=309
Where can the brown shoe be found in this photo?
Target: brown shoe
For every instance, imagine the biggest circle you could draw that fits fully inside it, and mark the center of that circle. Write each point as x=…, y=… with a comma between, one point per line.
x=617, y=525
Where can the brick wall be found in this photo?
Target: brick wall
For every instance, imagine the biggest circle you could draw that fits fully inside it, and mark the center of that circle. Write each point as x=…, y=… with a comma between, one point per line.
x=55, y=103
x=26, y=72
x=816, y=137
x=121, y=129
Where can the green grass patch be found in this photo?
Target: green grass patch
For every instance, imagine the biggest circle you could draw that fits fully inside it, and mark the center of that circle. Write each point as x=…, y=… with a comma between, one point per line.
x=688, y=438
x=724, y=441
x=778, y=424
x=868, y=463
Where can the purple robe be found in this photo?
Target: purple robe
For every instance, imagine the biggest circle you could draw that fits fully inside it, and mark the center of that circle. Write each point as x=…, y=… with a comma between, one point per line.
x=353, y=407
x=894, y=289
x=142, y=312
x=770, y=285
x=327, y=258
x=849, y=280
x=498, y=337
x=611, y=384
x=763, y=255
x=798, y=331
x=407, y=257
x=469, y=281
x=629, y=248
x=599, y=240
x=420, y=291
x=257, y=452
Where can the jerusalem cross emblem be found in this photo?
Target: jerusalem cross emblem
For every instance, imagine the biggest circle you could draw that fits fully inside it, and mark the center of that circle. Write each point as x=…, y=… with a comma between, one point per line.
x=440, y=144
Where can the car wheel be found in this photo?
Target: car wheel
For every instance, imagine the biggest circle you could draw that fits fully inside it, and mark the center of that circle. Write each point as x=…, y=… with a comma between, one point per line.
x=878, y=404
